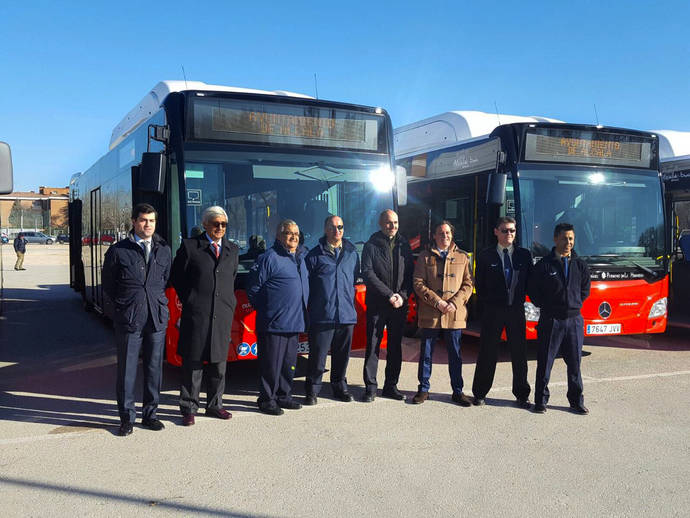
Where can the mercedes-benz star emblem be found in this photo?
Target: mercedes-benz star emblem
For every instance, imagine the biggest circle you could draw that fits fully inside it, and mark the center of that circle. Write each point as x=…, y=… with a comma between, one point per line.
x=604, y=310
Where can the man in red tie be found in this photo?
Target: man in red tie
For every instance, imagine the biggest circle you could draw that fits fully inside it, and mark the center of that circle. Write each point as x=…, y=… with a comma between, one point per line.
x=203, y=274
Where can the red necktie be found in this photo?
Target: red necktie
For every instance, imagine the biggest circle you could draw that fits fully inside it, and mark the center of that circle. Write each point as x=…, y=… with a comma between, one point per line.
x=216, y=249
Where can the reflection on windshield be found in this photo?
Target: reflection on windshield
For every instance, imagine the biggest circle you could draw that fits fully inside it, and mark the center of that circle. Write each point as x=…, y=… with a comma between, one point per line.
x=617, y=214
x=258, y=190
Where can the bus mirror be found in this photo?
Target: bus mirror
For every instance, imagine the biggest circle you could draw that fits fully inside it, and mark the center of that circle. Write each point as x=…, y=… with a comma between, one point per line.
x=401, y=184
x=152, y=172
x=6, y=184
x=496, y=189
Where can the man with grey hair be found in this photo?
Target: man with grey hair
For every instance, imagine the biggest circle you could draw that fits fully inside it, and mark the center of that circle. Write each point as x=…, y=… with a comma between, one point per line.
x=203, y=274
x=278, y=288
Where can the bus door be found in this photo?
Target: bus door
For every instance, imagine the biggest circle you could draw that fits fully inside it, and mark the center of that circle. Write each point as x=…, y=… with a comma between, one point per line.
x=95, y=248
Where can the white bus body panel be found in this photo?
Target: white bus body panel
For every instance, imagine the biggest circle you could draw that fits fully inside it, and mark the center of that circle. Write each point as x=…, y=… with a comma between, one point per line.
x=152, y=102
x=673, y=145
x=450, y=128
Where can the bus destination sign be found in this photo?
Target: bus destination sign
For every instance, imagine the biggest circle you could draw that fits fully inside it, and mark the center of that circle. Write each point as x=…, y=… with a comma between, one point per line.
x=587, y=147
x=278, y=123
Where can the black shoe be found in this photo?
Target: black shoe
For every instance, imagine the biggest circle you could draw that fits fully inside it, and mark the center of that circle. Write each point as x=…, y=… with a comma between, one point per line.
x=478, y=401
x=392, y=393
x=126, y=429
x=345, y=397
x=523, y=403
x=579, y=408
x=290, y=404
x=368, y=397
x=310, y=400
x=461, y=399
x=153, y=424
x=539, y=409
x=271, y=409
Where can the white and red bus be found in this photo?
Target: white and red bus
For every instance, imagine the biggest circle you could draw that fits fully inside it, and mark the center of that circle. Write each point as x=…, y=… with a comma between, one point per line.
x=263, y=156
x=472, y=167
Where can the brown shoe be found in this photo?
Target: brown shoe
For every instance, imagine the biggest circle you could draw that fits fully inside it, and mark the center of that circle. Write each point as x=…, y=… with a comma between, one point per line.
x=219, y=413
x=461, y=399
x=187, y=419
x=420, y=397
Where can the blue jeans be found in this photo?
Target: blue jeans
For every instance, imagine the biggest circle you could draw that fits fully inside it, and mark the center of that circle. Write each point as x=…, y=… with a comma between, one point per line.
x=452, y=339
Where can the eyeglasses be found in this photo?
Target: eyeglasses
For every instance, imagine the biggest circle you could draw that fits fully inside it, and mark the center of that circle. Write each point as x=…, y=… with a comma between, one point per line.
x=290, y=234
x=508, y=230
x=221, y=224
x=335, y=227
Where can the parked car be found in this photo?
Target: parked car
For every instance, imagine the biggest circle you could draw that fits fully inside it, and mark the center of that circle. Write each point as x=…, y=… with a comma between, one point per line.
x=37, y=237
x=4, y=239
x=62, y=238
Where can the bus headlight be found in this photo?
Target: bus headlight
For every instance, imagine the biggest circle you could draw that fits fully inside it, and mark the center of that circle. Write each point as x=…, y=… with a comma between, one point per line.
x=531, y=312
x=382, y=179
x=658, y=308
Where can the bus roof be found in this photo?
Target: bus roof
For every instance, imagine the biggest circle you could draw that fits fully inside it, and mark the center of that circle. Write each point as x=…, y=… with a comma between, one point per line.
x=152, y=102
x=673, y=145
x=451, y=127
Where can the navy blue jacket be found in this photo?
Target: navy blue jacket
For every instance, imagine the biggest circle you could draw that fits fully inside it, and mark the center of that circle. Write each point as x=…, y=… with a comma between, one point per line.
x=380, y=276
x=332, y=284
x=135, y=288
x=19, y=244
x=490, y=279
x=549, y=290
x=278, y=288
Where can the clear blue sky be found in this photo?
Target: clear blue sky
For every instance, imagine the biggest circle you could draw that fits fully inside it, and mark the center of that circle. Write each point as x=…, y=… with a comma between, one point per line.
x=69, y=71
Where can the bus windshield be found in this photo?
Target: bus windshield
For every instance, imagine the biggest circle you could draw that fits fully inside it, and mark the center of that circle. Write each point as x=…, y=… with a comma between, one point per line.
x=617, y=214
x=259, y=189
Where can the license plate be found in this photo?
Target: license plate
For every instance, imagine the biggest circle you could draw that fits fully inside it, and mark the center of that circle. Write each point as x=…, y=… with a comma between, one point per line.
x=603, y=329
x=303, y=347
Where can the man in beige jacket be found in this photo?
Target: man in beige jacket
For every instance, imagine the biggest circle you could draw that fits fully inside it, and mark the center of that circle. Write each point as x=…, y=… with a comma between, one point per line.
x=443, y=284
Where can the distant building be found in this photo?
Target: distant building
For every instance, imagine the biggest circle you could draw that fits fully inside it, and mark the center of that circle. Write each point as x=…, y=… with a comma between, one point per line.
x=45, y=210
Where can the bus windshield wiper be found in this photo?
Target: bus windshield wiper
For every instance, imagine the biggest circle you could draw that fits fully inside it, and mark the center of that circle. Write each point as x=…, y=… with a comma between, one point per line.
x=649, y=271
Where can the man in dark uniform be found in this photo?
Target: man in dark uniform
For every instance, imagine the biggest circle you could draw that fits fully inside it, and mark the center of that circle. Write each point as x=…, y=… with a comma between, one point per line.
x=135, y=273
x=203, y=274
x=333, y=267
x=501, y=282
x=559, y=285
x=387, y=268
x=278, y=288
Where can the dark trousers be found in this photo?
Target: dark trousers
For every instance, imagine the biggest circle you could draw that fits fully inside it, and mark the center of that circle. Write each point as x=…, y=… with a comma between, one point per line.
x=337, y=338
x=426, y=353
x=277, y=354
x=494, y=319
x=193, y=374
x=566, y=336
x=394, y=320
x=150, y=343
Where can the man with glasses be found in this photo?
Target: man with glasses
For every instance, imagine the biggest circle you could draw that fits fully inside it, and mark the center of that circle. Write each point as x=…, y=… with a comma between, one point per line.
x=501, y=280
x=203, y=274
x=333, y=270
x=278, y=288
x=134, y=276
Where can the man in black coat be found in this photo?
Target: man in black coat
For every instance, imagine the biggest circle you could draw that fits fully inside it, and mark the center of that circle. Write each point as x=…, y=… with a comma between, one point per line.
x=387, y=267
x=135, y=274
x=559, y=285
x=501, y=283
x=203, y=274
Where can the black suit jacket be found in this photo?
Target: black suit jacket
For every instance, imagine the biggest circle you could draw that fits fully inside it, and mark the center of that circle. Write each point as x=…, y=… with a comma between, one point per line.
x=137, y=288
x=206, y=287
x=490, y=279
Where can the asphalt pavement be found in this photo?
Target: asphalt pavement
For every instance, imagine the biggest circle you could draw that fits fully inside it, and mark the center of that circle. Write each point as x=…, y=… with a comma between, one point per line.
x=60, y=455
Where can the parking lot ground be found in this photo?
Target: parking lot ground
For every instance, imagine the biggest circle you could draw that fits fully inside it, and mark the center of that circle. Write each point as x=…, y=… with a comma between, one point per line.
x=59, y=454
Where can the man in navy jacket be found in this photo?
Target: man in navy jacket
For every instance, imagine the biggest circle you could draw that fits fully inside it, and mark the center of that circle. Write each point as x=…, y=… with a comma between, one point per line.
x=135, y=273
x=501, y=276
x=333, y=270
x=278, y=288
x=559, y=285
